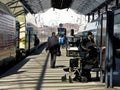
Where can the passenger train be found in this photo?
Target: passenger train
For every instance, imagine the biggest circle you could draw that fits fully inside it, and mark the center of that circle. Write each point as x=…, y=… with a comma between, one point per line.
x=101, y=34
x=7, y=35
x=99, y=29
x=10, y=41
x=25, y=45
x=117, y=32
x=30, y=35
x=90, y=26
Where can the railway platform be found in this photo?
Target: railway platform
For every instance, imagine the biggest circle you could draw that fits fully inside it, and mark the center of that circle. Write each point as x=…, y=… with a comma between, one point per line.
x=34, y=73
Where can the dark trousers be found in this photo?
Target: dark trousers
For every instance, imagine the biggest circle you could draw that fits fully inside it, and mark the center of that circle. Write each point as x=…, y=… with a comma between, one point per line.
x=58, y=50
x=53, y=52
x=53, y=60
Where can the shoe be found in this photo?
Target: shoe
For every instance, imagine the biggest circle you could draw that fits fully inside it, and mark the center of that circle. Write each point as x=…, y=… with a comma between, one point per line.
x=76, y=79
x=66, y=69
x=64, y=78
x=52, y=66
x=84, y=79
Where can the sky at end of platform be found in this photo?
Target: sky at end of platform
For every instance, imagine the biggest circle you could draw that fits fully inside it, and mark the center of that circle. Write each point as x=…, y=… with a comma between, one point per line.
x=53, y=17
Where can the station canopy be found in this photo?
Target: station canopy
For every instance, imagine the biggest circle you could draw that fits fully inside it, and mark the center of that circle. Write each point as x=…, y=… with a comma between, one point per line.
x=80, y=6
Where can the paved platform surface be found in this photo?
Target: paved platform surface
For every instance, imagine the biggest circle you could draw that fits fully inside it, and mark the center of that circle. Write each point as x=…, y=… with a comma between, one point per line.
x=34, y=73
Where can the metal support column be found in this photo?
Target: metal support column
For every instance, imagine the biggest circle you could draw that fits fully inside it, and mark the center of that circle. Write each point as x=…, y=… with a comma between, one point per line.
x=109, y=49
x=98, y=13
x=88, y=17
x=29, y=41
x=117, y=3
x=101, y=67
x=92, y=16
x=106, y=7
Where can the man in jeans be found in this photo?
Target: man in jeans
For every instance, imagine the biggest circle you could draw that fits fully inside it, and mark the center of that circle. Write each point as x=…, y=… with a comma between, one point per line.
x=52, y=47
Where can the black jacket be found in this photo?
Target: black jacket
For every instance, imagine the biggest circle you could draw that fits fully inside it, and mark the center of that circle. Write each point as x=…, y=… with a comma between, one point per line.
x=87, y=43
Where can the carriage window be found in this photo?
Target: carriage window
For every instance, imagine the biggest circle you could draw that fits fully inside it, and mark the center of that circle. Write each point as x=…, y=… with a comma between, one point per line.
x=117, y=26
x=117, y=19
x=117, y=34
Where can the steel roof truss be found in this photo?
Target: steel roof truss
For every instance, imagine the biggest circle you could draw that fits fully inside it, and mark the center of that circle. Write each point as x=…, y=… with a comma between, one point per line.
x=16, y=6
x=19, y=13
x=11, y=2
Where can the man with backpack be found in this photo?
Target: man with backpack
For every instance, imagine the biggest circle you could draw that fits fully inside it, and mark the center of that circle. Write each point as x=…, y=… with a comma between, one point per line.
x=52, y=47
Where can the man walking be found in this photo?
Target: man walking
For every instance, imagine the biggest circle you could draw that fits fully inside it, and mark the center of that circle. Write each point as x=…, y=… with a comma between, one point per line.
x=52, y=47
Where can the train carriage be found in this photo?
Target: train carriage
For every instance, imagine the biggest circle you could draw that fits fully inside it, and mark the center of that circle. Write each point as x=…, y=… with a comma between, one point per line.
x=29, y=42
x=90, y=26
x=7, y=35
x=101, y=35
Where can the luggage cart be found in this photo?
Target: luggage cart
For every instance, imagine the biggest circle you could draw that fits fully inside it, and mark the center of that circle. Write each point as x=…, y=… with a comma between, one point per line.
x=72, y=50
x=77, y=64
x=74, y=66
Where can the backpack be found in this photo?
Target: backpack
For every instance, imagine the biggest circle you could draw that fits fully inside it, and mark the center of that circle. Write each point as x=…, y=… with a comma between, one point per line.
x=52, y=41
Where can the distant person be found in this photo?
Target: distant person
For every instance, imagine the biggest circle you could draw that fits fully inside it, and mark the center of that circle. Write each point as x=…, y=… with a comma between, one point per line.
x=52, y=47
x=62, y=32
x=62, y=41
x=36, y=41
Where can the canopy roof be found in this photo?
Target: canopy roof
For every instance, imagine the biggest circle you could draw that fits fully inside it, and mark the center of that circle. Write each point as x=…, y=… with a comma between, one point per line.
x=80, y=6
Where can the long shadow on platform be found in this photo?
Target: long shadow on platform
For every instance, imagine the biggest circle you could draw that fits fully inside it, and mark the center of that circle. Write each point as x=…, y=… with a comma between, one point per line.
x=42, y=74
x=39, y=50
x=60, y=66
x=14, y=69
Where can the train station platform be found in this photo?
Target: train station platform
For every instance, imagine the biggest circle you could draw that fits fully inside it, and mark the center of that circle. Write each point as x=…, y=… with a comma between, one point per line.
x=34, y=73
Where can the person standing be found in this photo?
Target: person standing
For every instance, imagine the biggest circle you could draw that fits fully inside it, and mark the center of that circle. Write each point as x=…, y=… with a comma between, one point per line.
x=89, y=56
x=88, y=42
x=62, y=33
x=36, y=42
x=52, y=47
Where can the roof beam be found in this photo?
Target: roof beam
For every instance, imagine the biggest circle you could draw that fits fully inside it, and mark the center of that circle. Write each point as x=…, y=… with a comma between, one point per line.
x=15, y=6
x=26, y=6
x=101, y=6
x=19, y=13
x=11, y=3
